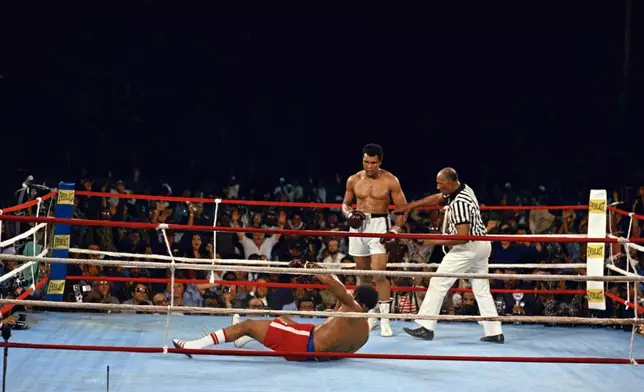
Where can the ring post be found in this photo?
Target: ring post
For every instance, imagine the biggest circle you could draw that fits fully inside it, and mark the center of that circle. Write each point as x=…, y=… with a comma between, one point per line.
x=64, y=209
x=595, y=250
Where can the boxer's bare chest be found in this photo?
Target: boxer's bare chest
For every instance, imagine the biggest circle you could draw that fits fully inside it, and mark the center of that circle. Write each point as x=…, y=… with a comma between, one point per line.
x=372, y=188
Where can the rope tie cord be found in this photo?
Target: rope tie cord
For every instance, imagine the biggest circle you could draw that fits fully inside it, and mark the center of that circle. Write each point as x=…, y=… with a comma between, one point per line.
x=214, y=239
x=172, y=269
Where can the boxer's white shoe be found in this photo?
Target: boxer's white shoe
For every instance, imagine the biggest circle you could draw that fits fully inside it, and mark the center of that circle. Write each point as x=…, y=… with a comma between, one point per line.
x=373, y=322
x=244, y=340
x=385, y=328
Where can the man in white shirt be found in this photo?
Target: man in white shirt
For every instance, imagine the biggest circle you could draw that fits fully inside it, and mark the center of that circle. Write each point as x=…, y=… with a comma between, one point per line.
x=335, y=256
x=259, y=244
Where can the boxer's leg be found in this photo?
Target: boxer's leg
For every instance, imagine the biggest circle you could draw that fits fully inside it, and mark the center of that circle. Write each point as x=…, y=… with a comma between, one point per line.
x=255, y=329
x=363, y=263
x=286, y=320
x=379, y=263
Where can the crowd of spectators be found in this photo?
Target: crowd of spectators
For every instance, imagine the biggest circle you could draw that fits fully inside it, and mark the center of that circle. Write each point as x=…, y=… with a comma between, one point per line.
x=243, y=290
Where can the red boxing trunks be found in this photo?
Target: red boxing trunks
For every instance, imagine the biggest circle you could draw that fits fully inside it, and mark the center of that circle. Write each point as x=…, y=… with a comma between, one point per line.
x=281, y=337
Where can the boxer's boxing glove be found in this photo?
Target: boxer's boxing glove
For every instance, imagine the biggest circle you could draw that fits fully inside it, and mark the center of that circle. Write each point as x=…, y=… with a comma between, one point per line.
x=355, y=219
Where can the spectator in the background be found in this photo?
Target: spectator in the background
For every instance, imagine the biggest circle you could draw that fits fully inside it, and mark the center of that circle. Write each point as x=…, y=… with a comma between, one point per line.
x=138, y=295
x=260, y=293
x=196, y=250
x=259, y=244
x=225, y=240
x=570, y=225
x=506, y=252
x=101, y=293
x=334, y=254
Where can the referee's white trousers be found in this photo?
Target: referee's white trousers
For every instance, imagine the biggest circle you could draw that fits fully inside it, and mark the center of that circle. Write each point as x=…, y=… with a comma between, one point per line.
x=471, y=257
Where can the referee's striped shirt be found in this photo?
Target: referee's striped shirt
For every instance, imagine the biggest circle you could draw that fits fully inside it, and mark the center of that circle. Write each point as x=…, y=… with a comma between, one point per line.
x=463, y=207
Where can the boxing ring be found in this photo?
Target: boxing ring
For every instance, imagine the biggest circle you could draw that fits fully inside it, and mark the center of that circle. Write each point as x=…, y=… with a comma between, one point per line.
x=70, y=351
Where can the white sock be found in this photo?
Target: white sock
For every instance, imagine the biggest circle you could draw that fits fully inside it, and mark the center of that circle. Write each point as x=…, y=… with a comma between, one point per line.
x=384, y=306
x=208, y=340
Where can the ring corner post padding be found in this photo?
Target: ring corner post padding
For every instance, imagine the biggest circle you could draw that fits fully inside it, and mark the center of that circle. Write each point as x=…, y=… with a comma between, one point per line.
x=595, y=251
x=60, y=245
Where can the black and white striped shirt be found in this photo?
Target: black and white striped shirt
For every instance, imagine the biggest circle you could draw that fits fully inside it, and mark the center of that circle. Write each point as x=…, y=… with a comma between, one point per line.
x=463, y=207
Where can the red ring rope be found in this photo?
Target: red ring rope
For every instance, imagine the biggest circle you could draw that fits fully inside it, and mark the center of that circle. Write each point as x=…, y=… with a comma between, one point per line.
x=7, y=308
x=27, y=204
x=301, y=285
x=312, y=233
x=263, y=353
x=626, y=213
x=624, y=302
x=297, y=204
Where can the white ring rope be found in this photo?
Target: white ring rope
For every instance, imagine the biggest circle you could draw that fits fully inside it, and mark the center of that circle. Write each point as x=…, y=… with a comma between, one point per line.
x=285, y=263
x=33, y=245
x=313, y=271
x=22, y=236
x=264, y=312
x=627, y=244
x=26, y=265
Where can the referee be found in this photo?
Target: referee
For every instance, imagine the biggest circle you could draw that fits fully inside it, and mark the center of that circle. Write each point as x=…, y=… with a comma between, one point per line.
x=463, y=217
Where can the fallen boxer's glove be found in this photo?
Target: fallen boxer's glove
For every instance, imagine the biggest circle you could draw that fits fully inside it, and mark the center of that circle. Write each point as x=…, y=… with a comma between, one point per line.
x=355, y=219
x=394, y=230
x=298, y=263
x=301, y=263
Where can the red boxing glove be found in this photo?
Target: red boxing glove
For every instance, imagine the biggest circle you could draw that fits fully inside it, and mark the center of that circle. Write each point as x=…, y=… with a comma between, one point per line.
x=355, y=219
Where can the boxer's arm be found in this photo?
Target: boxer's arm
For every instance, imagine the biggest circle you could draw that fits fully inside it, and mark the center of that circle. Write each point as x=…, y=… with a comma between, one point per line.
x=336, y=287
x=399, y=199
x=348, y=197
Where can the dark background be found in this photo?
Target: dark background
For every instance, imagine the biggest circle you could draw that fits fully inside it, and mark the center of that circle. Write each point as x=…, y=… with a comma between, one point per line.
x=534, y=95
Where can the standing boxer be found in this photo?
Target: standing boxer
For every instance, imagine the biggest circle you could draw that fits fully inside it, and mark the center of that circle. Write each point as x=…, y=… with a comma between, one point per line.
x=372, y=188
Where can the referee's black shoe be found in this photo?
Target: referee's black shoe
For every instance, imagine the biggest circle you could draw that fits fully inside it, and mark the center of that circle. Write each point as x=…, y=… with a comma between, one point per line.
x=493, y=339
x=420, y=332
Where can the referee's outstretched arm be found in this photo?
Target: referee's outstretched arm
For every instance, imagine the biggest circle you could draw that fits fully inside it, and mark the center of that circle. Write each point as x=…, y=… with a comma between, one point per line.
x=430, y=200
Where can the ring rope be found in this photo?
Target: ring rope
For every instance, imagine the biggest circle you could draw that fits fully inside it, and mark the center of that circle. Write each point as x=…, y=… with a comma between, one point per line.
x=22, y=236
x=7, y=308
x=31, y=203
x=264, y=312
x=299, y=204
x=313, y=271
x=249, y=283
x=26, y=265
x=625, y=213
x=580, y=238
x=341, y=265
x=265, y=353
